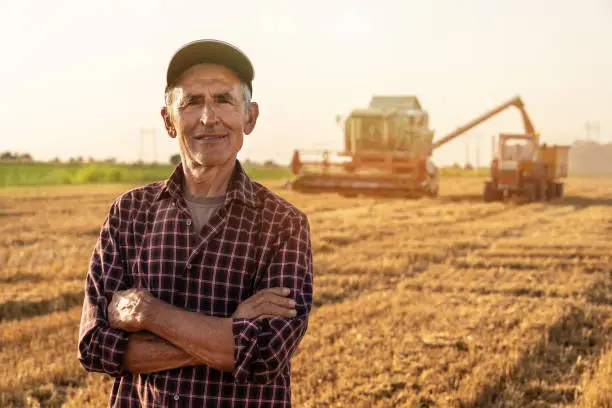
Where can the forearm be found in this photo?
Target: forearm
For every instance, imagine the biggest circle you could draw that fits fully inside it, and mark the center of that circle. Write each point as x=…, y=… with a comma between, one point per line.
x=147, y=353
x=101, y=349
x=208, y=340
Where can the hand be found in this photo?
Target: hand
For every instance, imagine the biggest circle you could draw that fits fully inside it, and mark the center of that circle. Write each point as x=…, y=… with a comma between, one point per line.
x=128, y=309
x=267, y=303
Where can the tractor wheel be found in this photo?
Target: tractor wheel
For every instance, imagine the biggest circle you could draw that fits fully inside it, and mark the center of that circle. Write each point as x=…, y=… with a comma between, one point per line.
x=491, y=194
x=433, y=193
x=531, y=193
x=541, y=193
x=551, y=193
x=559, y=190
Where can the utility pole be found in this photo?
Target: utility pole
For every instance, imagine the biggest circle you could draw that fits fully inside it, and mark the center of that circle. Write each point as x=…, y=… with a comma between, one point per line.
x=153, y=133
x=478, y=152
x=141, y=155
x=592, y=127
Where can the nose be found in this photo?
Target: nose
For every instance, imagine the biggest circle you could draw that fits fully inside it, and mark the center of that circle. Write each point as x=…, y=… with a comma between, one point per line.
x=209, y=116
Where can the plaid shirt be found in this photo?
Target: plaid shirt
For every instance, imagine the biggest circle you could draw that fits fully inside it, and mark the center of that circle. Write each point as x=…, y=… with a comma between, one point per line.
x=256, y=240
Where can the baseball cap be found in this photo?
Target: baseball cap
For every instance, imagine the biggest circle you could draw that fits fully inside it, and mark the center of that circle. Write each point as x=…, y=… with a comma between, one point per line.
x=214, y=52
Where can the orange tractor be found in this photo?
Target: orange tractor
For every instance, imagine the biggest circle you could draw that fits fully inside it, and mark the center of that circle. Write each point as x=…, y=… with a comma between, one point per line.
x=387, y=151
x=522, y=167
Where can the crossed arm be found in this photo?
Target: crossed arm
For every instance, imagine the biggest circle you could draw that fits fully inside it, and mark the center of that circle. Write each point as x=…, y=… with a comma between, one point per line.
x=164, y=337
x=148, y=353
x=126, y=330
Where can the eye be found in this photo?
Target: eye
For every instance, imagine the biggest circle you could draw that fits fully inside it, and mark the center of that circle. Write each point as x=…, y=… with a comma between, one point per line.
x=222, y=99
x=189, y=102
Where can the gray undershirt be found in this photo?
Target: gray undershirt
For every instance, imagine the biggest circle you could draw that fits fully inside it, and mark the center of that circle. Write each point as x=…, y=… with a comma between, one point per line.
x=202, y=208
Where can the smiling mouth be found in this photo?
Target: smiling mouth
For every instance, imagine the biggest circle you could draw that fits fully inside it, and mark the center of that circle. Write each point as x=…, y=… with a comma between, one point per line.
x=210, y=137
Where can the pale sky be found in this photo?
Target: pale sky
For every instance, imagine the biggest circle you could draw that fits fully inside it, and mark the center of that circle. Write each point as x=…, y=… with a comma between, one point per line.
x=82, y=77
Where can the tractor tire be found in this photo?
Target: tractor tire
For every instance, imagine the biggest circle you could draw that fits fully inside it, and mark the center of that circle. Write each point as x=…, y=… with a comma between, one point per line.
x=491, y=193
x=559, y=190
x=531, y=193
x=551, y=193
x=541, y=193
x=433, y=193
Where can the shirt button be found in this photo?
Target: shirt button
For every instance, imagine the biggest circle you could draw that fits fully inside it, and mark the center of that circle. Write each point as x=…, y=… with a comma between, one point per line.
x=176, y=397
x=188, y=222
x=189, y=266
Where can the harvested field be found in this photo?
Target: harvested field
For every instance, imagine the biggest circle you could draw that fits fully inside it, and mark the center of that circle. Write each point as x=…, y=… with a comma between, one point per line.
x=446, y=302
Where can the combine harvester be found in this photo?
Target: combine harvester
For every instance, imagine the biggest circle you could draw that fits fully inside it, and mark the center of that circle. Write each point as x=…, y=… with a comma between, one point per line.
x=387, y=150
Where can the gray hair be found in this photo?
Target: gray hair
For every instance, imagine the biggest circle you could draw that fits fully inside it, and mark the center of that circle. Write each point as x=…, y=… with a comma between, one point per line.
x=246, y=96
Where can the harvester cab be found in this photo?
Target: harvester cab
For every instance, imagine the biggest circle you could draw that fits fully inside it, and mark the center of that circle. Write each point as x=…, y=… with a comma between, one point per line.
x=389, y=124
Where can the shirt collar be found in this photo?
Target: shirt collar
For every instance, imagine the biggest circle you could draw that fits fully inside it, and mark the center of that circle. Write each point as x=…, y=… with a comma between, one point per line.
x=241, y=188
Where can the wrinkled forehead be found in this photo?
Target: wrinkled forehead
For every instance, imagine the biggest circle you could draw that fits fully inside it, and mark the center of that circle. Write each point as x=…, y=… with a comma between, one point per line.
x=205, y=78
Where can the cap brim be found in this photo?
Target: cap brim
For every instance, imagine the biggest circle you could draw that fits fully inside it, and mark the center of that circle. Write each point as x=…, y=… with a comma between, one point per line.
x=213, y=52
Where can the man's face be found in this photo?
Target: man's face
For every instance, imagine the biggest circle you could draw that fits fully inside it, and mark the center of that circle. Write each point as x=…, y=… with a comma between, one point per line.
x=209, y=116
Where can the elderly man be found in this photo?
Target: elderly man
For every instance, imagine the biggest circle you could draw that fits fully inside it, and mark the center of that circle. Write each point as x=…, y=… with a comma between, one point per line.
x=200, y=287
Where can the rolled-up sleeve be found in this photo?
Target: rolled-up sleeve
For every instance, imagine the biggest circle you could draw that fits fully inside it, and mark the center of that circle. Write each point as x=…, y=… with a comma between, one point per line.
x=263, y=348
x=101, y=348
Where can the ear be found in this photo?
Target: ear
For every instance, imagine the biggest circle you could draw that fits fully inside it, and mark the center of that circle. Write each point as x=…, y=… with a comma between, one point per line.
x=168, y=122
x=251, y=118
